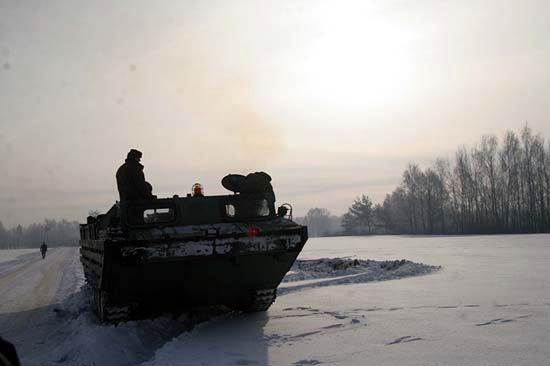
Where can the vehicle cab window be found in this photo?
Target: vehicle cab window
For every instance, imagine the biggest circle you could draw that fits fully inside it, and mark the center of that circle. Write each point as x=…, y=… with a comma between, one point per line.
x=146, y=214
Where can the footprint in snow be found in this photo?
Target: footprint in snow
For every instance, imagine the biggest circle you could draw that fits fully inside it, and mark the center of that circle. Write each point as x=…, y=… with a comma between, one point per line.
x=404, y=339
x=506, y=305
x=293, y=316
x=301, y=308
x=360, y=310
x=303, y=335
x=307, y=362
x=502, y=321
x=490, y=322
x=336, y=315
x=333, y=326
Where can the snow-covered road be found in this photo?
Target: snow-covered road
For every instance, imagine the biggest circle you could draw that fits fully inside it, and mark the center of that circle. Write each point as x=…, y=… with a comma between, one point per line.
x=29, y=287
x=30, y=282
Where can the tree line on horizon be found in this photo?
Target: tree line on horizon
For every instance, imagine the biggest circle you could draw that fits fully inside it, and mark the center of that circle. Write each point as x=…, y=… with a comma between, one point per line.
x=488, y=189
x=52, y=232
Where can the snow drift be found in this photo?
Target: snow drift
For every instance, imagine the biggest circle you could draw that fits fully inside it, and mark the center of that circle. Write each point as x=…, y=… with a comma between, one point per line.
x=311, y=273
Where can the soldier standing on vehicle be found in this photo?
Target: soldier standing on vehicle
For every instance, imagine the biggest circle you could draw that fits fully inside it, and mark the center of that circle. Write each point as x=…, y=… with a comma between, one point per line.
x=43, y=249
x=131, y=180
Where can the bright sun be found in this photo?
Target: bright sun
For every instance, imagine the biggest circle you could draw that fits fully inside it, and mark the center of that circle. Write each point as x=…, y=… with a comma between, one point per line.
x=357, y=61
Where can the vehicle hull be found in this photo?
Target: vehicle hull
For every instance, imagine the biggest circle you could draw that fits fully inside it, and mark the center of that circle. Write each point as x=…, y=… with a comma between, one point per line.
x=200, y=271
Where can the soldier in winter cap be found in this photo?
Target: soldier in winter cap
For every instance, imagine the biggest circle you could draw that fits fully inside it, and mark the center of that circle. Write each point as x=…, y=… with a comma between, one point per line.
x=131, y=180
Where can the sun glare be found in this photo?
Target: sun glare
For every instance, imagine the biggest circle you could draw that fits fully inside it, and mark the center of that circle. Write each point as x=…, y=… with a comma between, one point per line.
x=356, y=61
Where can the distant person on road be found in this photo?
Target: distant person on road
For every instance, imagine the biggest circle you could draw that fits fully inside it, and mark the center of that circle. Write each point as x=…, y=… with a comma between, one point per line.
x=131, y=180
x=43, y=249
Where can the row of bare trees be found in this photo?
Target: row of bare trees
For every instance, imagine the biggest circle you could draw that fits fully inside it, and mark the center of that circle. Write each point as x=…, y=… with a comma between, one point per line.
x=490, y=188
x=54, y=233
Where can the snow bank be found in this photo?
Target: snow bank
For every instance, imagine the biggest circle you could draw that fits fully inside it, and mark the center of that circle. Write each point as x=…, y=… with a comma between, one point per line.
x=340, y=271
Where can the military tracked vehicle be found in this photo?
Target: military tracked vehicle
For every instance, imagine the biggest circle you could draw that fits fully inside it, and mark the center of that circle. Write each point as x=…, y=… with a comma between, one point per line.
x=175, y=254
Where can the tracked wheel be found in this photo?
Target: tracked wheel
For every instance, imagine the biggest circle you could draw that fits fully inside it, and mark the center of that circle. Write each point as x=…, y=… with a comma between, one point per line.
x=109, y=313
x=257, y=300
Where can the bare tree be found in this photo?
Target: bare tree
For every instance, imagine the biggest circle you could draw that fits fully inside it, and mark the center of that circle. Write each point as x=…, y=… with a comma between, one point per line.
x=318, y=221
x=486, y=189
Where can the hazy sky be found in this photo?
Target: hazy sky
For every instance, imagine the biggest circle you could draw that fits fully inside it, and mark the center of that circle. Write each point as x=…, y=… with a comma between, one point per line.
x=332, y=98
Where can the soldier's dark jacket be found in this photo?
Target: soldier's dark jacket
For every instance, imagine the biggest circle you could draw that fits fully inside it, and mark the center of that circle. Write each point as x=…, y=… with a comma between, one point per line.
x=131, y=182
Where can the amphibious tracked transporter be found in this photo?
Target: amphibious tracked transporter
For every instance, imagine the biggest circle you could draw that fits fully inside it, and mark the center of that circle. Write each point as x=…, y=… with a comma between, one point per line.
x=174, y=254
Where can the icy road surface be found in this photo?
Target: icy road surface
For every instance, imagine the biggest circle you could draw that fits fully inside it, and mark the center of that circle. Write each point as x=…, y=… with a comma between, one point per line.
x=488, y=305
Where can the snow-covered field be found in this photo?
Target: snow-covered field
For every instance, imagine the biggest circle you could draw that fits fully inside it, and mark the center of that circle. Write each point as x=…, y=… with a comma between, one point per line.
x=347, y=301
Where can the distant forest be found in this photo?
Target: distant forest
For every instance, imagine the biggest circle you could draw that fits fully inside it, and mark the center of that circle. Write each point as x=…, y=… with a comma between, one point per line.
x=488, y=189
x=54, y=233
